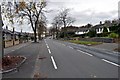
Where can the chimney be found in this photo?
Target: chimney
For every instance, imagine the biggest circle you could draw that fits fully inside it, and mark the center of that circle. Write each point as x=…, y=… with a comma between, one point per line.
x=100, y=22
x=7, y=27
x=13, y=29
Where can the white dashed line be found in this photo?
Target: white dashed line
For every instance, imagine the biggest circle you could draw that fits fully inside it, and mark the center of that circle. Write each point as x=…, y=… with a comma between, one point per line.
x=47, y=46
x=53, y=61
x=111, y=62
x=49, y=51
x=85, y=53
x=13, y=50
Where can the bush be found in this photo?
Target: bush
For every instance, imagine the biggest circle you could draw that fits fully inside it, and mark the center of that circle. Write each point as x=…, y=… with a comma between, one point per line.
x=92, y=33
x=113, y=35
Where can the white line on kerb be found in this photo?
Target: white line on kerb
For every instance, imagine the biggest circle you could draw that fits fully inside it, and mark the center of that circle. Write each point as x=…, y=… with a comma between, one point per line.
x=85, y=53
x=49, y=51
x=111, y=62
x=53, y=61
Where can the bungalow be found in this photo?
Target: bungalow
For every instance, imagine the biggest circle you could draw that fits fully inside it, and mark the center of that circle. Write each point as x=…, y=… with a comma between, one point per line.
x=69, y=29
x=98, y=28
x=83, y=29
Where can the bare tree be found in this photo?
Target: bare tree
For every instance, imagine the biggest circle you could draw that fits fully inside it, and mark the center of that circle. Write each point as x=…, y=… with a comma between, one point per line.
x=56, y=24
x=41, y=28
x=63, y=18
x=32, y=11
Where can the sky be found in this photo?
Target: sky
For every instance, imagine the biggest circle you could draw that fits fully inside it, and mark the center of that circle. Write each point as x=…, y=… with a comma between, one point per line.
x=84, y=11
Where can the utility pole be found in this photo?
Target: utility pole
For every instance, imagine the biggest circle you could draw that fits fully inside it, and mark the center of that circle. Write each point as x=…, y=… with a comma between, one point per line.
x=1, y=37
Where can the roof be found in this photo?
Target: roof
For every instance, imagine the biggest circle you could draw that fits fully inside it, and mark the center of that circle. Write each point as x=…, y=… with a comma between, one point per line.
x=98, y=26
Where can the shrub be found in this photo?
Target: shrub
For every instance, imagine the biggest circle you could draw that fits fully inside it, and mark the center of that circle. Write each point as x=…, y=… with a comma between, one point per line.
x=92, y=33
x=113, y=35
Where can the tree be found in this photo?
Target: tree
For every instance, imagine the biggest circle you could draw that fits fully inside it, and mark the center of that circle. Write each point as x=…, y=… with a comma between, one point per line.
x=52, y=31
x=63, y=18
x=32, y=11
x=41, y=28
x=56, y=24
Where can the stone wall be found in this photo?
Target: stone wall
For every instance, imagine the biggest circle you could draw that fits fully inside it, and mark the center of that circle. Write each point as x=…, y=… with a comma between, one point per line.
x=9, y=43
x=98, y=39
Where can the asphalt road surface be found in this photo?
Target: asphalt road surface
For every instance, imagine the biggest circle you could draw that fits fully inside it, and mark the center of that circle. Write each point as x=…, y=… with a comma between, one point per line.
x=59, y=59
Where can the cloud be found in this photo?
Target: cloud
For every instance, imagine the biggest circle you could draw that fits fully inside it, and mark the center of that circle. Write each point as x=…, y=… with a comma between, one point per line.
x=86, y=11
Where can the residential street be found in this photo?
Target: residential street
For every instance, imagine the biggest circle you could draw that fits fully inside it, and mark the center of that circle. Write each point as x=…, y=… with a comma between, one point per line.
x=60, y=59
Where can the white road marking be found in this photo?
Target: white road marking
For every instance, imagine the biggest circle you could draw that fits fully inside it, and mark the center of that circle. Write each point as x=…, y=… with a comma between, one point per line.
x=63, y=44
x=53, y=61
x=70, y=47
x=13, y=50
x=85, y=53
x=111, y=62
x=47, y=46
x=49, y=51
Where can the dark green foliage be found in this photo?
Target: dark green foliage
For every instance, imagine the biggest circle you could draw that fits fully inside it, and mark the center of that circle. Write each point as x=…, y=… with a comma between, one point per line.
x=105, y=30
x=113, y=35
x=92, y=33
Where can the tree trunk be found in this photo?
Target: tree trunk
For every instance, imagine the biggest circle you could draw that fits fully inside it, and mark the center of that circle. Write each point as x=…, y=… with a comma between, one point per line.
x=64, y=29
x=35, y=38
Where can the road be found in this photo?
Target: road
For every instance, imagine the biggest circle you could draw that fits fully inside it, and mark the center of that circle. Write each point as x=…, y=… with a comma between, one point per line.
x=59, y=59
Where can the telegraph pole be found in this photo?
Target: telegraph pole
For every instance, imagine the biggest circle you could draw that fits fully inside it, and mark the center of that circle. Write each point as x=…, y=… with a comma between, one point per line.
x=1, y=36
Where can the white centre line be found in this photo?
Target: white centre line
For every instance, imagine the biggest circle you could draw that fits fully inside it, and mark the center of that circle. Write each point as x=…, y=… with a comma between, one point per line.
x=111, y=62
x=85, y=53
x=13, y=50
x=63, y=44
x=53, y=61
x=49, y=51
x=47, y=46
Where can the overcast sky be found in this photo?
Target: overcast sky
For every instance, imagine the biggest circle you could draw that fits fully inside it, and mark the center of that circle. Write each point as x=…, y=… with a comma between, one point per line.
x=84, y=11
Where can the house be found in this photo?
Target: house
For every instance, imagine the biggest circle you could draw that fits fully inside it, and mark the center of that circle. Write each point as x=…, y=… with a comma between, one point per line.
x=83, y=29
x=70, y=29
x=11, y=38
x=98, y=28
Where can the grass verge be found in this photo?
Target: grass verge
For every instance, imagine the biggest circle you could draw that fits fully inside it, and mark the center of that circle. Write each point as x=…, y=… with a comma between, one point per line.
x=89, y=43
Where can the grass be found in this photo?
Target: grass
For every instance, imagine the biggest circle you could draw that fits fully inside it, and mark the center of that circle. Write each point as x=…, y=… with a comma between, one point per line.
x=85, y=42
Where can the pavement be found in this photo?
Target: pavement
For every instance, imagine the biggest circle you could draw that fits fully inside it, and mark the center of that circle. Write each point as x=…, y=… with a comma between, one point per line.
x=16, y=47
x=107, y=46
x=58, y=59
